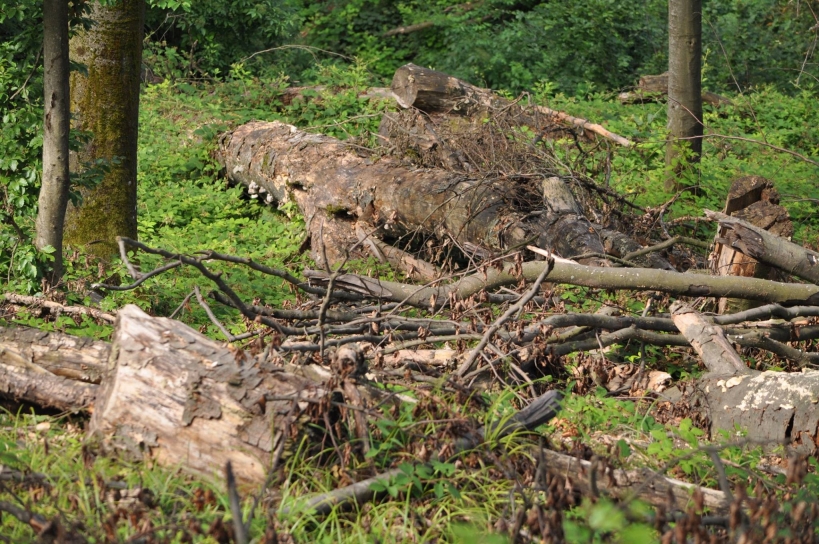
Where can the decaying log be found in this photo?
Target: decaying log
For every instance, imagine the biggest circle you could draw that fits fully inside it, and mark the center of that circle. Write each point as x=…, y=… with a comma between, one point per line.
x=326, y=178
x=436, y=92
x=651, y=88
x=754, y=199
x=776, y=408
x=184, y=399
x=50, y=369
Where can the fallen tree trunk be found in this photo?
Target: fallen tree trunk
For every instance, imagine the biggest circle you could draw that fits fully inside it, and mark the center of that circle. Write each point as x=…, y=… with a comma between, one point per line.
x=332, y=184
x=651, y=88
x=50, y=369
x=436, y=92
x=777, y=408
x=185, y=399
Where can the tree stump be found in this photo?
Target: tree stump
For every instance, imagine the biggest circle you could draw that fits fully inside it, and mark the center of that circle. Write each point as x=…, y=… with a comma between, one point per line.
x=755, y=200
x=183, y=399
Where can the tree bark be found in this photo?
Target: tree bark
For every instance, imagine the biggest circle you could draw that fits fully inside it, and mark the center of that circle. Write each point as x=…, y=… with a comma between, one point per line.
x=777, y=408
x=763, y=246
x=684, y=85
x=187, y=400
x=50, y=369
x=56, y=125
x=331, y=182
x=755, y=199
x=637, y=279
x=106, y=103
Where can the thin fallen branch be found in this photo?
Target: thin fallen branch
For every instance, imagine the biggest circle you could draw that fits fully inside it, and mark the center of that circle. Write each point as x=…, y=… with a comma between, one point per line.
x=539, y=411
x=56, y=307
x=514, y=309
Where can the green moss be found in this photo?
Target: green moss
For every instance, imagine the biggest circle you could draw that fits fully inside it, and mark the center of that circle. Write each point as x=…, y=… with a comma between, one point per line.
x=106, y=103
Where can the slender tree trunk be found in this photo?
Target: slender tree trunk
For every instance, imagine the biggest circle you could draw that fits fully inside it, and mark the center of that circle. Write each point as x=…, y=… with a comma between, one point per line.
x=56, y=125
x=684, y=85
x=106, y=103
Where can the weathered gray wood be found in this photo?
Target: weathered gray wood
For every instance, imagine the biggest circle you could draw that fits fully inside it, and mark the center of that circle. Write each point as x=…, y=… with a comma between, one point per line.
x=186, y=400
x=776, y=408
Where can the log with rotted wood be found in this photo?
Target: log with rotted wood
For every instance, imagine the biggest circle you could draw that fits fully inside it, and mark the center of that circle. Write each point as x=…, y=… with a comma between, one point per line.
x=336, y=185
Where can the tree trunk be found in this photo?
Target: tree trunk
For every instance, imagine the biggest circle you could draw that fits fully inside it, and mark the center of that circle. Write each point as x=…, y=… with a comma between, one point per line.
x=56, y=124
x=183, y=398
x=684, y=85
x=323, y=175
x=106, y=103
x=50, y=369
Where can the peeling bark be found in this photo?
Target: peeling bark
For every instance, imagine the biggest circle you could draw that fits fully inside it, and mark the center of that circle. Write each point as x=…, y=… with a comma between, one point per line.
x=328, y=180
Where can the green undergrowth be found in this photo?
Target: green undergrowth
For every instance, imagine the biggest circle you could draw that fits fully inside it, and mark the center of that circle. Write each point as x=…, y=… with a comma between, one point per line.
x=768, y=117
x=460, y=499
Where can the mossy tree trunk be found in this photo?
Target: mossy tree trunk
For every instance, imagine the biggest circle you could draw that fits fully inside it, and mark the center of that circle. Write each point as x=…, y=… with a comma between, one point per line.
x=684, y=86
x=105, y=102
x=56, y=123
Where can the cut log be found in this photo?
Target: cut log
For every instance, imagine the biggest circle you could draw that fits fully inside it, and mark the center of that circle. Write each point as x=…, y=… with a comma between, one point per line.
x=766, y=247
x=326, y=178
x=50, y=369
x=652, y=88
x=776, y=408
x=755, y=199
x=185, y=400
x=436, y=92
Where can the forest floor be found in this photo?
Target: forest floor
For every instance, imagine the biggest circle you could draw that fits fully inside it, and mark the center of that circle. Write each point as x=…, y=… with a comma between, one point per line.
x=185, y=205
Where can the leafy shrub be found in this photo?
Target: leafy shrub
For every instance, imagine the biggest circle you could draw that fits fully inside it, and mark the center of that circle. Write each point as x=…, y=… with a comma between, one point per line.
x=205, y=37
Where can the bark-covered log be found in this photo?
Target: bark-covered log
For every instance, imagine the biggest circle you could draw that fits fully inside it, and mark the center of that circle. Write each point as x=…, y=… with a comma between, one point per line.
x=768, y=248
x=326, y=178
x=776, y=408
x=187, y=400
x=50, y=369
x=436, y=92
x=754, y=199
